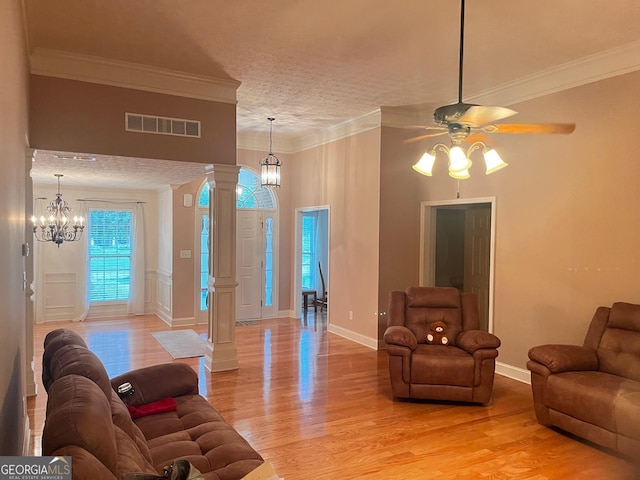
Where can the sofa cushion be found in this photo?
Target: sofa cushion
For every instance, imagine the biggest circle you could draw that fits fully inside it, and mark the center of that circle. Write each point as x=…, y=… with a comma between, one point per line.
x=425, y=305
x=79, y=414
x=77, y=360
x=197, y=432
x=442, y=365
x=619, y=349
x=627, y=412
x=134, y=447
x=580, y=394
x=55, y=340
x=626, y=316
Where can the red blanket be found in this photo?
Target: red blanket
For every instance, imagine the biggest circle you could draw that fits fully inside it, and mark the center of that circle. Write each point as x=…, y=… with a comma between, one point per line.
x=161, y=406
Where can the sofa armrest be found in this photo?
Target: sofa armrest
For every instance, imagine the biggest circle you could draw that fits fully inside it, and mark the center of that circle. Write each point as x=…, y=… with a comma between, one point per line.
x=565, y=358
x=402, y=336
x=156, y=382
x=472, y=340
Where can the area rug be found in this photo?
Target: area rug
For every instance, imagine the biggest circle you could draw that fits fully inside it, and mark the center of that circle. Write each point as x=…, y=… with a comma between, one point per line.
x=181, y=343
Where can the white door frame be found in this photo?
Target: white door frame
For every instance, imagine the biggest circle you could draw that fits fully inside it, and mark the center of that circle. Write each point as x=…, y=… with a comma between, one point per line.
x=297, y=271
x=428, y=242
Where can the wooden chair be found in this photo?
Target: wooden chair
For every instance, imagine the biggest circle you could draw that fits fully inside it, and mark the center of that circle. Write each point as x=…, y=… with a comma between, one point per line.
x=323, y=299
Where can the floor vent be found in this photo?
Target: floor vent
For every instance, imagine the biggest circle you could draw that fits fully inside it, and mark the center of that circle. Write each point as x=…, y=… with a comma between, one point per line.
x=135, y=122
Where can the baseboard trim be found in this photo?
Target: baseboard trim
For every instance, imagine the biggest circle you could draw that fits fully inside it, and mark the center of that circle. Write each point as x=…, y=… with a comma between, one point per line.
x=515, y=373
x=353, y=336
x=181, y=322
x=26, y=443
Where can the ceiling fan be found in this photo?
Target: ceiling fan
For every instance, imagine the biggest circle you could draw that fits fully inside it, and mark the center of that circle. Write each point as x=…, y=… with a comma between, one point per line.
x=465, y=122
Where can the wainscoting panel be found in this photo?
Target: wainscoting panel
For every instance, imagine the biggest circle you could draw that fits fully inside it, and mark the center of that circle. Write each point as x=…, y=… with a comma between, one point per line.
x=59, y=296
x=164, y=287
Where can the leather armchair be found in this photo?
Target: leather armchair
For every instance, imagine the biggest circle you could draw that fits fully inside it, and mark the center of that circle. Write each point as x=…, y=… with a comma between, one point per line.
x=462, y=370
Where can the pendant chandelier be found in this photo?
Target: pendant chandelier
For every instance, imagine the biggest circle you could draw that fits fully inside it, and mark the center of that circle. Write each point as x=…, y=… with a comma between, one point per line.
x=270, y=165
x=56, y=225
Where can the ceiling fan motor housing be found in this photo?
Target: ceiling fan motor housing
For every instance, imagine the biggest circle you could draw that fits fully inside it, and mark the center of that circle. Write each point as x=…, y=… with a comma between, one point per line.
x=450, y=113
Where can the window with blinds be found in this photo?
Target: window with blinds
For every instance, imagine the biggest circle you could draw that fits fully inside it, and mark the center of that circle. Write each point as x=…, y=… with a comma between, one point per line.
x=308, y=255
x=110, y=249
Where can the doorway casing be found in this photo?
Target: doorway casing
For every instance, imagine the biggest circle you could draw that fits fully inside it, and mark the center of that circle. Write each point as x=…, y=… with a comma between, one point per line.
x=297, y=280
x=428, y=242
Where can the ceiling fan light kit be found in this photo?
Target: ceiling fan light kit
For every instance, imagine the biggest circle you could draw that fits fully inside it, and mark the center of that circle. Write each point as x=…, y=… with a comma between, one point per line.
x=463, y=122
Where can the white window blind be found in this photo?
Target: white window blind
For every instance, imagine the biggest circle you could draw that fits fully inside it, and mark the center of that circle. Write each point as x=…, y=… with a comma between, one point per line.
x=308, y=255
x=110, y=249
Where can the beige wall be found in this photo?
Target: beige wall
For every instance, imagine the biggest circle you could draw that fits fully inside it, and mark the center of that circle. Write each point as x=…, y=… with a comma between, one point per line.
x=345, y=176
x=75, y=116
x=399, y=217
x=184, y=238
x=567, y=221
x=13, y=118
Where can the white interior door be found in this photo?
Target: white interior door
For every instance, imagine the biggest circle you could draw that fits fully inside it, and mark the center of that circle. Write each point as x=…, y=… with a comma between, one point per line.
x=249, y=264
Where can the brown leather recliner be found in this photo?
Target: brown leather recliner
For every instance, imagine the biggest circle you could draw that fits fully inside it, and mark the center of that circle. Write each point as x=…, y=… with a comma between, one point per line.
x=462, y=370
x=593, y=390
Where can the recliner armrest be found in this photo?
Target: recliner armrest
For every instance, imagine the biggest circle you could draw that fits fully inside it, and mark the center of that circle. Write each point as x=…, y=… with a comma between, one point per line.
x=565, y=358
x=399, y=335
x=472, y=340
x=156, y=382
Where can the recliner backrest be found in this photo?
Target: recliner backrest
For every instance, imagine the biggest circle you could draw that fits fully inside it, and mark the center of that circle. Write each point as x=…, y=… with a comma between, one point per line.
x=425, y=305
x=619, y=347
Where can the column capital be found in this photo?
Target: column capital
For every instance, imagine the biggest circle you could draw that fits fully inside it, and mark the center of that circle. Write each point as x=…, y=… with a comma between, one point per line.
x=222, y=175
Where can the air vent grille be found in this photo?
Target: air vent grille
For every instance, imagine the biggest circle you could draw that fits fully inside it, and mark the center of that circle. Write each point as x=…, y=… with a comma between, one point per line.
x=135, y=122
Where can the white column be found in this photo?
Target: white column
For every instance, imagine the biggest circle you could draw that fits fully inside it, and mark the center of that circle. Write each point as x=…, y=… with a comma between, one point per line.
x=221, y=350
x=31, y=386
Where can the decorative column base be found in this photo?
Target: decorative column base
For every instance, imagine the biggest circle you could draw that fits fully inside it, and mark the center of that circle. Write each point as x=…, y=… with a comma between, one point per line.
x=221, y=352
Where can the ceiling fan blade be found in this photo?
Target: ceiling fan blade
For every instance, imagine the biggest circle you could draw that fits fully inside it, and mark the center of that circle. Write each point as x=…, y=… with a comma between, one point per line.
x=477, y=137
x=562, y=128
x=481, y=114
x=423, y=137
x=423, y=127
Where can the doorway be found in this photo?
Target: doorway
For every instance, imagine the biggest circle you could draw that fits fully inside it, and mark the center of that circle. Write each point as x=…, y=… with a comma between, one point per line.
x=312, y=254
x=457, y=249
x=256, y=250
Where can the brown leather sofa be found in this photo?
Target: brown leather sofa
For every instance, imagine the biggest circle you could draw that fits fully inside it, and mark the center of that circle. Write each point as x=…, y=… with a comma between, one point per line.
x=87, y=420
x=463, y=370
x=593, y=391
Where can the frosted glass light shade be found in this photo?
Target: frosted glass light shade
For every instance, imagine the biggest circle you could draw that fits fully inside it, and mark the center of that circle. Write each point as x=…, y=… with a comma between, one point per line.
x=458, y=161
x=425, y=164
x=493, y=161
x=464, y=174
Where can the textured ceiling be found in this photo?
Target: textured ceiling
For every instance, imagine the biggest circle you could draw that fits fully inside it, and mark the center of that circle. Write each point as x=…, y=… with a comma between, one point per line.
x=113, y=172
x=316, y=64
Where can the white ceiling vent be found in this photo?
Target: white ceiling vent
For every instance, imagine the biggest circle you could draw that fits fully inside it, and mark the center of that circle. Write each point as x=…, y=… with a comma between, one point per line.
x=135, y=122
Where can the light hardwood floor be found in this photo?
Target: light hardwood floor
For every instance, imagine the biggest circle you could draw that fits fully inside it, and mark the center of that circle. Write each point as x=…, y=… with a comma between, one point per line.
x=318, y=406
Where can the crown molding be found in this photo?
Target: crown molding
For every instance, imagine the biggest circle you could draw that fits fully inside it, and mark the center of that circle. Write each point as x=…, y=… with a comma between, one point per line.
x=593, y=68
x=259, y=141
x=85, y=68
x=360, y=124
